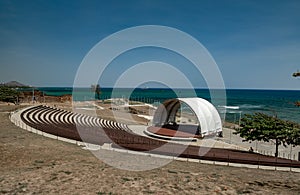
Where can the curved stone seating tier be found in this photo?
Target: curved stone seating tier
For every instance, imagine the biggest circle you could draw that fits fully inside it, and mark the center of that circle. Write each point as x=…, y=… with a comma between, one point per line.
x=63, y=117
x=94, y=121
x=54, y=121
x=46, y=114
x=43, y=116
x=99, y=131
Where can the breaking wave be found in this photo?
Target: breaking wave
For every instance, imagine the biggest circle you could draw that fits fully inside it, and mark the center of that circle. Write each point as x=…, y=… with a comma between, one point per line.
x=243, y=106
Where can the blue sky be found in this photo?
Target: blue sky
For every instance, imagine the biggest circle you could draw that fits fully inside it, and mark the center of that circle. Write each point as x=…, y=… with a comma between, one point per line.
x=256, y=44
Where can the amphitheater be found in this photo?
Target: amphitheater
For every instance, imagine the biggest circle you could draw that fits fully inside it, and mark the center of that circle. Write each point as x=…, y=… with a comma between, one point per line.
x=78, y=128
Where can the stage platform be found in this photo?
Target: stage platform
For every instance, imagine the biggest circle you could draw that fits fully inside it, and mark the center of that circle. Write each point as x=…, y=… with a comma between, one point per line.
x=171, y=134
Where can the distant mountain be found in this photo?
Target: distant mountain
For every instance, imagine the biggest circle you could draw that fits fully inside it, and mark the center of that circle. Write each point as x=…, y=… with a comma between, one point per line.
x=13, y=84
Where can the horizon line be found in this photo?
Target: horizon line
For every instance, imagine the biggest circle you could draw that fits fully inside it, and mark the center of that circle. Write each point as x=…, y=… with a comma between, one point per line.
x=108, y=87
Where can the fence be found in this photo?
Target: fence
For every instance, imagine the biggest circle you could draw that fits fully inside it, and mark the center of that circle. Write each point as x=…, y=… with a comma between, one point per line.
x=265, y=148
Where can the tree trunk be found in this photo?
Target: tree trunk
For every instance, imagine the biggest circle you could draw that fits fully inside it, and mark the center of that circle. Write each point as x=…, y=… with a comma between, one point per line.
x=276, y=150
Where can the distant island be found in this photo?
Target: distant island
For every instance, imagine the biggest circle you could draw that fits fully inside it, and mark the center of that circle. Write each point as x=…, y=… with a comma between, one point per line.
x=16, y=92
x=14, y=84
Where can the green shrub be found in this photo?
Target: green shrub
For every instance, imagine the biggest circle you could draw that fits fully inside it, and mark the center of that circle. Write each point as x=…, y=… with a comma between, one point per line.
x=8, y=94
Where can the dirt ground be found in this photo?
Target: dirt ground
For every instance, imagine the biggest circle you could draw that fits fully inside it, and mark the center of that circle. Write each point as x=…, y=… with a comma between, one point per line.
x=33, y=164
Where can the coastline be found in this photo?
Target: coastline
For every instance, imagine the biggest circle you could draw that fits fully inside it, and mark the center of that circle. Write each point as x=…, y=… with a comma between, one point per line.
x=279, y=102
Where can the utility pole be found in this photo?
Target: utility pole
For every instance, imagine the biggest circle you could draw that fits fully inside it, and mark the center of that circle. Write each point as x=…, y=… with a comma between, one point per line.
x=240, y=119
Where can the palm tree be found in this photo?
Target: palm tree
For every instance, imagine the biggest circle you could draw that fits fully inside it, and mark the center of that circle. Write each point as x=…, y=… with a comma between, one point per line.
x=97, y=90
x=297, y=74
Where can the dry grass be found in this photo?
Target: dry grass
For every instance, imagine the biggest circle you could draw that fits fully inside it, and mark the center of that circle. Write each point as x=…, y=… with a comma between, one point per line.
x=33, y=164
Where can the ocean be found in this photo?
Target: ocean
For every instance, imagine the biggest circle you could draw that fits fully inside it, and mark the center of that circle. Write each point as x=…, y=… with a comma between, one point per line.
x=273, y=102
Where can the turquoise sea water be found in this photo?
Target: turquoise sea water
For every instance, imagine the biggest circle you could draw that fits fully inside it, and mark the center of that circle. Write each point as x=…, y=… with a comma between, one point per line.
x=274, y=102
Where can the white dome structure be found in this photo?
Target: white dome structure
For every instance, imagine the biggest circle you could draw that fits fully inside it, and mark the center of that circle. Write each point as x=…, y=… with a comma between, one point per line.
x=209, y=121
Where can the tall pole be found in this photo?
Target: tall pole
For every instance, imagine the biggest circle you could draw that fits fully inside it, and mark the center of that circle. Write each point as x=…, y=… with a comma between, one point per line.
x=240, y=118
x=291, y=151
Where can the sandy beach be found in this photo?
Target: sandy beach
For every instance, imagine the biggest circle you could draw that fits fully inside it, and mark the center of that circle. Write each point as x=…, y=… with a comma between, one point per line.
x=33, y=164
